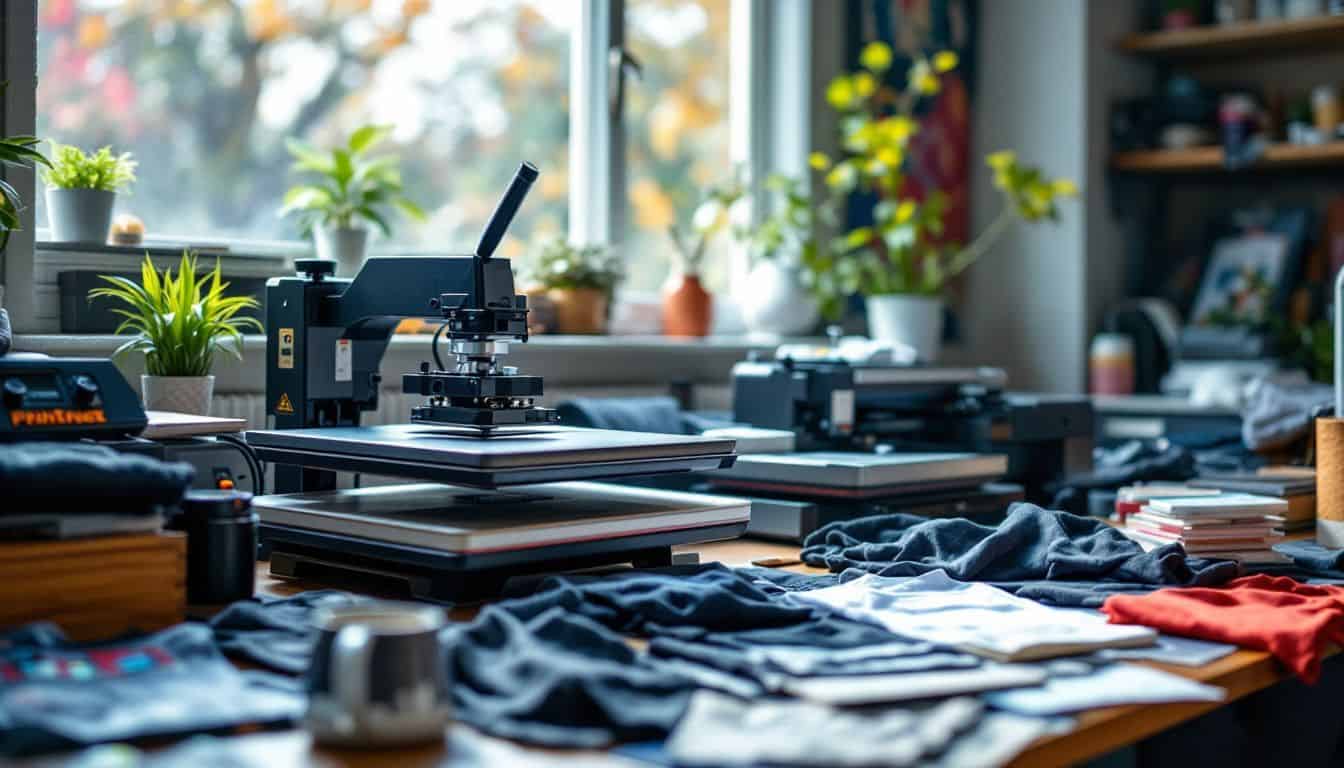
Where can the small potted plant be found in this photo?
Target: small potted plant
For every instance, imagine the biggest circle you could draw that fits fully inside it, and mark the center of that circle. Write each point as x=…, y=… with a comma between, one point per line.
x=350, y=191
x=688, y=308
x=576, y=281
x=178, y=322
x=82, y=188
x=901, y=261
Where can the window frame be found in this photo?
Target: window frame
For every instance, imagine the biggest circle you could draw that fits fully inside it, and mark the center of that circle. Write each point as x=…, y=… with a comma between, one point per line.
x=18, y=115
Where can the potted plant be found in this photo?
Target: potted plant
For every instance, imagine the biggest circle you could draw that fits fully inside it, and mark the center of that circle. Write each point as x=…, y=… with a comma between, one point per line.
x=780, y=297
x=350, y=191
x=82, y=188
x=18, y=152
x=688, y=309
x=576, y=281
x=901, y=261
x=178, y=322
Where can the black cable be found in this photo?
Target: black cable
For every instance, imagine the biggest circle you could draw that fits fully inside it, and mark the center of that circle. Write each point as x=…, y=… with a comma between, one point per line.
x=434, y=347
x=253, y=462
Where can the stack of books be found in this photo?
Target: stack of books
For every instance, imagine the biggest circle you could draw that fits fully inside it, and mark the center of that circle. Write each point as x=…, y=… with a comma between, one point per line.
x=1232, y=526
x=1133, y=498
x=1294, y=485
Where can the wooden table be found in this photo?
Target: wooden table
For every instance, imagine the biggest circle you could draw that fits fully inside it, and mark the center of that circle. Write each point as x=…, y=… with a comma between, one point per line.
x=1097, y=733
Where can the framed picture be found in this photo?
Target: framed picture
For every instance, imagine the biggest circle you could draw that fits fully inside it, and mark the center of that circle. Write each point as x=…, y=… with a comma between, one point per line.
x=1242, y=279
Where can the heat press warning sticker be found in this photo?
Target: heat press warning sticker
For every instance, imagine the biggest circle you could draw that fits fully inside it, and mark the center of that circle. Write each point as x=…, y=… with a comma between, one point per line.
x=284, y=405
x=285, y=352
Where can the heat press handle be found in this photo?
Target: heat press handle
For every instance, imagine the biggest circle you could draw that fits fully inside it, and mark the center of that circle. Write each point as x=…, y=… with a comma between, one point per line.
x=505, y=211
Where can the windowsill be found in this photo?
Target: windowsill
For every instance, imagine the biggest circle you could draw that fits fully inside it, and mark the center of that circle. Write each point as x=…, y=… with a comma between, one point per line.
x=242, y=250
x=567, y=361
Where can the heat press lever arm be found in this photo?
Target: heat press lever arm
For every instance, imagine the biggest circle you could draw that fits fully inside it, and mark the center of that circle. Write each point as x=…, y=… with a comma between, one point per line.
x=505, y=211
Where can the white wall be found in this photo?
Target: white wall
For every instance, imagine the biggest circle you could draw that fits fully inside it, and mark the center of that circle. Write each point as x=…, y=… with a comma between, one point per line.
x=1046, y=75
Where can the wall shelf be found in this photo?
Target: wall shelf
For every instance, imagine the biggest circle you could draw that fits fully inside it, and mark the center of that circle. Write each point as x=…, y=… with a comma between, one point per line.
x=1210, y=159
x=1243, y=38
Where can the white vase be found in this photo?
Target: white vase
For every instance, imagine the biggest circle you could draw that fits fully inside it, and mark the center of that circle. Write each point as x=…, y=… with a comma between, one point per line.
x=775, y=301
x=347, y=246
x=913, y=320
x=180, y=394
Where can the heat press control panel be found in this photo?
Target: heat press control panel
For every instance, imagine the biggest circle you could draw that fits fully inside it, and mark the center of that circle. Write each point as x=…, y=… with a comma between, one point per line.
x=46, y=398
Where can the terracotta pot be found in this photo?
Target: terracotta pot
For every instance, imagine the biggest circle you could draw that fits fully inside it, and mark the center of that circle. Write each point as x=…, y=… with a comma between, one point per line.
x=688, y=309
x=579, y=310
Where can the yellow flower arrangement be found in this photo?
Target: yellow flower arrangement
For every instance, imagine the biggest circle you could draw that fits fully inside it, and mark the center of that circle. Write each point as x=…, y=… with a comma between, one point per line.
x=901, y=251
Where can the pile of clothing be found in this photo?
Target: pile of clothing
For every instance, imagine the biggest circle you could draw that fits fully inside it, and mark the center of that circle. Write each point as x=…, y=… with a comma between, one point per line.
x=930, y=642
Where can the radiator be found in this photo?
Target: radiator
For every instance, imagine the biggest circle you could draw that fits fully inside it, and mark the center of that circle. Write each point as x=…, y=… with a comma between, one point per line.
x=393, y=408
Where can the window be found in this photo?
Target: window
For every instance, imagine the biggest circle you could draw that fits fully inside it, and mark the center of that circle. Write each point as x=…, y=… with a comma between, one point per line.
x=204, y=92
x=677, y=140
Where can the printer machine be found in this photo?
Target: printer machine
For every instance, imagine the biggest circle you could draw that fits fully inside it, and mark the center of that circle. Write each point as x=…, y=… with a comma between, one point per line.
x=500, y=498
x=859, y=411
x=859, y=395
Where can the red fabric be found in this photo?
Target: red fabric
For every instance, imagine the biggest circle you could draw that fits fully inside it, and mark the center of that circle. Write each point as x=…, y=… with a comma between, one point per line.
x=1294, y=621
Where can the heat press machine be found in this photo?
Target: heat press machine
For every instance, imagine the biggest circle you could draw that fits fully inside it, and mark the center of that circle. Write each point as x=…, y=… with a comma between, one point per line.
x=501, y=497
x=859, y=395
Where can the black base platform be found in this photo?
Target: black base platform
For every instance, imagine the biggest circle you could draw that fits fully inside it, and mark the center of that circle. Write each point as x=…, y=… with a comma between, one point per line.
x=455, y=577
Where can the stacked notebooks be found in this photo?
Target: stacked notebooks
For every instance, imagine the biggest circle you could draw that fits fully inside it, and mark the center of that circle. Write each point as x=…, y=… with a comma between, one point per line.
x=1233, y=526
x=1294, y=485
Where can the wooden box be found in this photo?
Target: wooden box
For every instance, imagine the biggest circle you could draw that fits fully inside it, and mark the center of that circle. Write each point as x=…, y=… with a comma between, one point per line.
x=95, y=588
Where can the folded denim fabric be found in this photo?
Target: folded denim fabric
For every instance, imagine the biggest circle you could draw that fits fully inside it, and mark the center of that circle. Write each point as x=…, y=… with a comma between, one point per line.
x=67, y=476
x=1032, y=545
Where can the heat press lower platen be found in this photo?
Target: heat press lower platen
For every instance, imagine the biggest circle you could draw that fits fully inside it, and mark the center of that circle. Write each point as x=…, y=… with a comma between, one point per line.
x=445, y=543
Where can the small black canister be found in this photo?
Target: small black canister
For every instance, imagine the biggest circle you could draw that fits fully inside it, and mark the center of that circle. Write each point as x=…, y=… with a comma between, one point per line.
x=221, y=533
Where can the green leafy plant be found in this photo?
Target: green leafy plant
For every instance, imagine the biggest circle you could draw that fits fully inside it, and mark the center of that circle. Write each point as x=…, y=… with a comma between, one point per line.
x=178, y=320
x=721, y=206
x=73, y=168
x=904, y=250
x=350, y=187
x=18, y=152
x=558, y=264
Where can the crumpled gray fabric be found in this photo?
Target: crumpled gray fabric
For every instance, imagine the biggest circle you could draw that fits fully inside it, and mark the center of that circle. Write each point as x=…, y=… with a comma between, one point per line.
x=1281, y=408
x=722, y=731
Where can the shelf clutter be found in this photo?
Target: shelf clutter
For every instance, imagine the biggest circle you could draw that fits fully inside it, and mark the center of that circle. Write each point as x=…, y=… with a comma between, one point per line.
x=1210, y=159
x=1239, y=39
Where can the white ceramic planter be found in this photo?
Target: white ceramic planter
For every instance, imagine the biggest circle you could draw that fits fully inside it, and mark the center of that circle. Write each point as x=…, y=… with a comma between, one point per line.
x=347, y=246
x=180, y=394
x=908, y=319
x=80, y=215
x=775, y=301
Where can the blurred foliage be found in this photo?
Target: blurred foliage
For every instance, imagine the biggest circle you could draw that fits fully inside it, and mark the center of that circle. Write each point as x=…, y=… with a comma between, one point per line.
x=210, y=90
x=903, y=251
x=18, y=152
x=73, y=168
x=351, y=187
x=558, y=264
